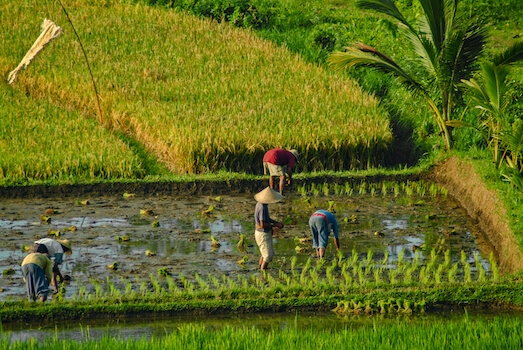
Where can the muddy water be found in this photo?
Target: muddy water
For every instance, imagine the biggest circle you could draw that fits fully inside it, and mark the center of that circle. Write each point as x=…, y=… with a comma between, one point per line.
x=182, y=240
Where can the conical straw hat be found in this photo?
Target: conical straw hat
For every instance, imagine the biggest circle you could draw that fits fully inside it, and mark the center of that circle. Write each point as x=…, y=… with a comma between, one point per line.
x=268, y=196
x=66, y=243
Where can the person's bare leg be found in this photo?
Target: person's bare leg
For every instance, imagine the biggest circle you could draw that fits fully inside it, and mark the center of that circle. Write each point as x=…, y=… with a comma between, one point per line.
x=264, y=266
x=318, y=252
x=322, y=252
x=282, y=183
x=261, y=261
x=271, y=182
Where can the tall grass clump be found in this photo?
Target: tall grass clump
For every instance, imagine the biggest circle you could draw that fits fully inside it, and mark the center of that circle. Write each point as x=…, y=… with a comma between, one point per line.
x=200, y=95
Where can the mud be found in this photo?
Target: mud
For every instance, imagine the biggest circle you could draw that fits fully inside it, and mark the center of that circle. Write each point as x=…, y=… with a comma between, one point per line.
x=181, y=243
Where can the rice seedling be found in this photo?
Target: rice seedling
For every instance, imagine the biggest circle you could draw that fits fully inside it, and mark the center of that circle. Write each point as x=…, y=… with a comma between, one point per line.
x=241, y=243
x=202, y=284
x=164, y=271
x=156, y=285
x=302, y=190
x=396, y=190
x=294, y=260
x=438, y=274
x=348, y=189
x=243, y=260
x=479, y=268
x=55, y=233
x=452, y=273
x=8, y=272
x=146, y=212
x=113, y=266
x=214, y=243
x=363, y=188
x=325, y=189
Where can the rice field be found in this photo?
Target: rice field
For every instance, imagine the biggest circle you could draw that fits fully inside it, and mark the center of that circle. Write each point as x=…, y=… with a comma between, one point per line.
x=39, y=141
x=496, y=333
x=200, y=95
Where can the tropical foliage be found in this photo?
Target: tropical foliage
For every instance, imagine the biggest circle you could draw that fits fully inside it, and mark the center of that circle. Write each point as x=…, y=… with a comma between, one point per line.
x=503, y=135
x=446, y=46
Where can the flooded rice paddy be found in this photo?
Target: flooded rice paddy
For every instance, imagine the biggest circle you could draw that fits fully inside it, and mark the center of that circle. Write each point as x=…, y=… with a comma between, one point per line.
x=146, y=234
x=149, y=328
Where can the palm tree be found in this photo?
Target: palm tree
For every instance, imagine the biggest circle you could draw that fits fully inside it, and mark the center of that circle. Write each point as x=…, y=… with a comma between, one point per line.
x=503, y=136
x=446, y=47
x=492, y=98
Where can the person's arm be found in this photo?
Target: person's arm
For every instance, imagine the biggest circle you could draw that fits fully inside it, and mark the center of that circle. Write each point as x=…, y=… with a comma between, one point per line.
x=277, y=224
x=336, y=234
x=289, y=172
x=270, y=224
x=56, y=272
x=264, y=225
x=49, y=274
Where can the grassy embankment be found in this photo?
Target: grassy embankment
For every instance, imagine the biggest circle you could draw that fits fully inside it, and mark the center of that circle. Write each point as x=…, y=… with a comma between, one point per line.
x=499, y=333
x=199, y=95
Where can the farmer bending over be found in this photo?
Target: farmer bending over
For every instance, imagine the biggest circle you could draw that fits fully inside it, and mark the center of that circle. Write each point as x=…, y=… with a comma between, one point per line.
x=321, y=223
x=264, y=224
x=38, y=271
x=277, y=162
x=55, y=249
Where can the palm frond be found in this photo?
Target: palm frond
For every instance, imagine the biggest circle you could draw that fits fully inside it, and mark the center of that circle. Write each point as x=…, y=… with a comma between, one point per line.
x=478, y=94
x=512, y=54
x=462, y=50
x=495, y=85
x=424, y=48
x=382, y=6
x=513, y=139
x=364, y=55
x=438, y=20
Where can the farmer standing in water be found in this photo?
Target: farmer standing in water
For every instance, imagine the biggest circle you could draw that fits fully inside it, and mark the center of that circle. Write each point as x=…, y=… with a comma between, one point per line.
x=264, y=224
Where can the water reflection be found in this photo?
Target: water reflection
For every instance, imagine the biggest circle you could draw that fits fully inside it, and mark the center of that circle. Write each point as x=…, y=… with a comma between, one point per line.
x=134, y=328
x=393, y=227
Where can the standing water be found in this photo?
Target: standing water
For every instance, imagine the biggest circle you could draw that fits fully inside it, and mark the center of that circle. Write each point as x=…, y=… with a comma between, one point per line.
x=147, y=235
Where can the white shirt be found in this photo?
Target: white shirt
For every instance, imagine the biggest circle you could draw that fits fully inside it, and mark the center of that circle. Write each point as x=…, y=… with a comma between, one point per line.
x=54, y=248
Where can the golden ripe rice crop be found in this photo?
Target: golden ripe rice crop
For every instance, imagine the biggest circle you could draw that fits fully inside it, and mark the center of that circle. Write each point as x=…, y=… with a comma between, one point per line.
x=200, y=95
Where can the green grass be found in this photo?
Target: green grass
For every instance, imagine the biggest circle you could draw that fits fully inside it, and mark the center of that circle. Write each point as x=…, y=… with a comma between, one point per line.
x=512, y=199
x=199, y=95
x=499, y=333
